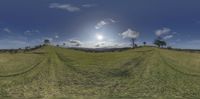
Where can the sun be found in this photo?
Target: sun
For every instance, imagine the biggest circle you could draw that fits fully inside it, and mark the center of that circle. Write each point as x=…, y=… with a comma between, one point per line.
x=99, y=37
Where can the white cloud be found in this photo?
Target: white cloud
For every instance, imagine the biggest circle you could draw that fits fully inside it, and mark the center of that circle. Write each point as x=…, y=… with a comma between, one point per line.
x=165, y=33
x=73, y=43
x=113, y=21
x=106, y=44
x=7, y=30
x=66, y=7
x=56, y=36
x=102, y=23
x=130, y=34
x=93, y=44
x=88, y=5
x=168, y=37
x=162, y=31
x=100, y=44
x=31, y=32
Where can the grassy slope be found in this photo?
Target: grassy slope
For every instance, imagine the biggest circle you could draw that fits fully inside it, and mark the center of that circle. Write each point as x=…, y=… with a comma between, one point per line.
x=146, y=73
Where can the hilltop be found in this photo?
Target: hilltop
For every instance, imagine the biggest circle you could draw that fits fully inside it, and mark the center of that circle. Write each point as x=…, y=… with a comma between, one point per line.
x=59, y=73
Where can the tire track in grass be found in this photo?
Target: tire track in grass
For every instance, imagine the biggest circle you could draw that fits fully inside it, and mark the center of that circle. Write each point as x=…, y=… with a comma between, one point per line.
x=65, y=60
x=172, y=66
x=128, y=67
x=25, y=71
x=130, y=62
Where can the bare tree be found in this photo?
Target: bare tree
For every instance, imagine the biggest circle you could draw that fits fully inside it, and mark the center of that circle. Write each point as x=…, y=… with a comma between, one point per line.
x=133, y=35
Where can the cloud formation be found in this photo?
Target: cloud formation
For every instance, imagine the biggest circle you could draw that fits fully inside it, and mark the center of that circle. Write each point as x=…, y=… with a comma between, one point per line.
x=74, y=43
x=88, y=5
x=31, y=32
x=66, y=7
x=100, y=44
x=7, y=30
x=56, y=36
x=168, y=37
x=102, y=23
x=165, y=33
x=162, y=31
x=130, y=34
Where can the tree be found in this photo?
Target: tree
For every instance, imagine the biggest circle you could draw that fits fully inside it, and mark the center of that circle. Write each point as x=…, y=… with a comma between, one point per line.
x=163, y=43
x=160, y=43
x=144, y=43
x=157, y=42
x=169, y=47
x=133, y=42
x=130, y=34
x=64, y=44
x=46, y=42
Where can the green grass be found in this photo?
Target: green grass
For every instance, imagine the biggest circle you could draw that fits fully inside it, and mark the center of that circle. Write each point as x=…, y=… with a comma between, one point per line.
x=58, y=73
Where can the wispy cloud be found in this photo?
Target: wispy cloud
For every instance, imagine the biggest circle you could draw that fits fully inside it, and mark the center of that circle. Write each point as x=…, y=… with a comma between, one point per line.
x=88, y=5
x=93, y=44
x=130, y=34
x=162, y=31
x=168, y=37
x=67, y=7
x=111, y=44
x=7, y=30
x=73, y=43
x=102, y=23
x=56, y=36
x=165, y=33
x=31, y=32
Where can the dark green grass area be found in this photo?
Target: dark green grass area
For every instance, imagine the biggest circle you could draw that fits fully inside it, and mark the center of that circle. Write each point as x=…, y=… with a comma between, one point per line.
x=59, y=73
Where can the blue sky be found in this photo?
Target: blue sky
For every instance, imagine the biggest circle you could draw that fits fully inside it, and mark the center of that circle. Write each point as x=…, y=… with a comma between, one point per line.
x=29, y=22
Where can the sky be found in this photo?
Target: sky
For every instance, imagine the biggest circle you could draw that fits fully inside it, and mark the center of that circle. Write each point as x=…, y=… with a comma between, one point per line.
x=99, y=23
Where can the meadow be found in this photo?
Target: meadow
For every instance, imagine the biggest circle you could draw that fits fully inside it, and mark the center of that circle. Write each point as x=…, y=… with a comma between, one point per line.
x=60, y=73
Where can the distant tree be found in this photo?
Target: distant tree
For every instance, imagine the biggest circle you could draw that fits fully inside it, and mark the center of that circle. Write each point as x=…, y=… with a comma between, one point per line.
x=64, y=44
x=27, y=48
x=160, y=43
x=157, y=42
x=169, y=47
x=163, y=44
x=144, y=43
x=57, y=45
x=46, y=42
x=135, y=45
x=15, y=51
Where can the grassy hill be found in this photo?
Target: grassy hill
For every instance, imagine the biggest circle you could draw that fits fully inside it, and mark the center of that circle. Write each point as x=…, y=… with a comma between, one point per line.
x=58, y=73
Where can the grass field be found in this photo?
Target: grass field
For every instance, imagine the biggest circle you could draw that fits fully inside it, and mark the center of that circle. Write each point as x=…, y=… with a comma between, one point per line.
x=58, y=73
